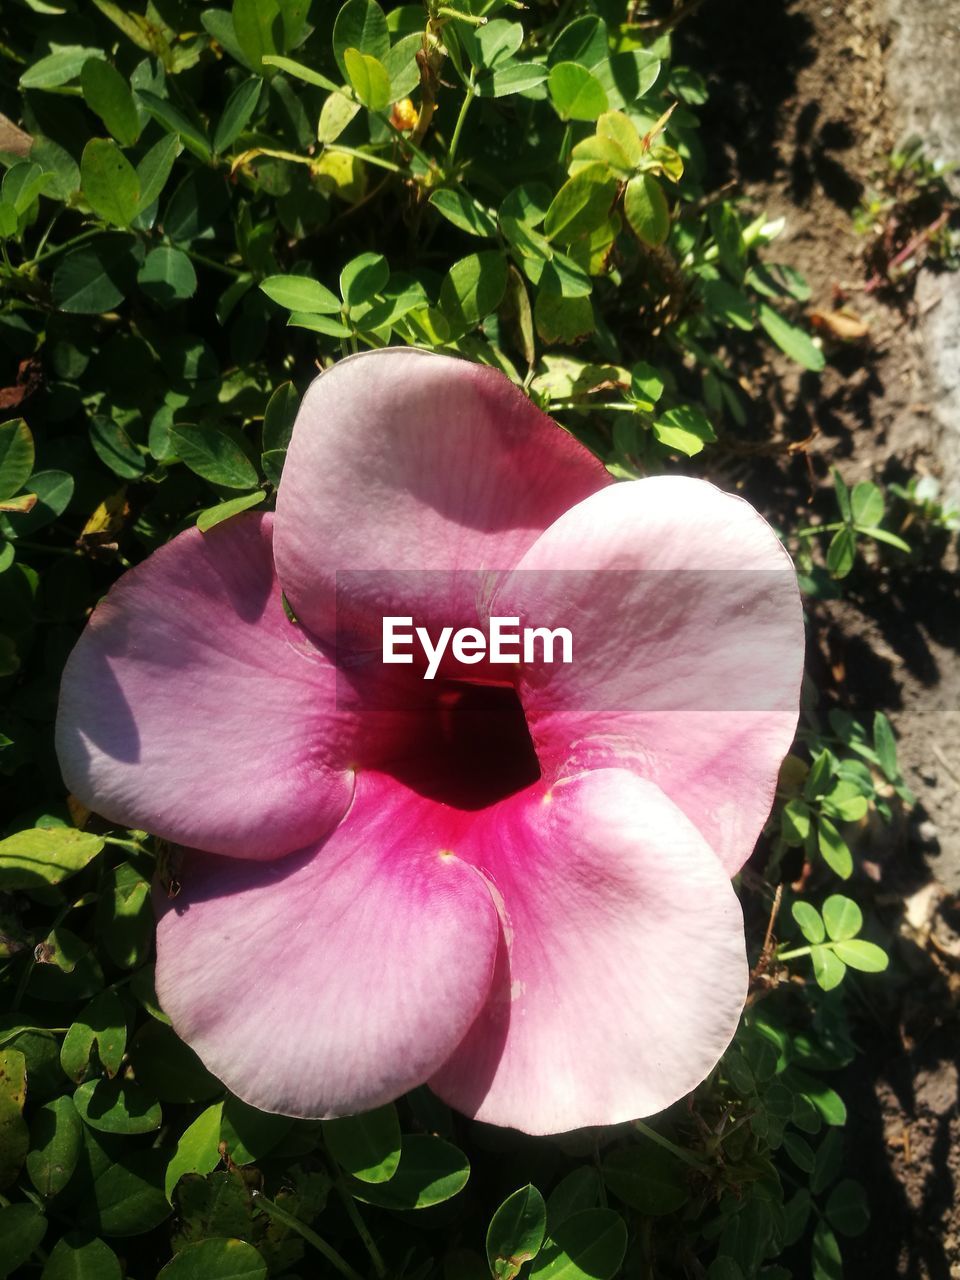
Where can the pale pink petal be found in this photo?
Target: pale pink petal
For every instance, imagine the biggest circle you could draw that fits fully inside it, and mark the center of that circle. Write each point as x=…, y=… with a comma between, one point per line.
x=193, y=708
x=622, y=973
x=406, y=462
x=335, y=979
x=687, y=649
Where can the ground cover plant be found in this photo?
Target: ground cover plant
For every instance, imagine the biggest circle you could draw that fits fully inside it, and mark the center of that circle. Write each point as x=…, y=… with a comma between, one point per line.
x=198, y=207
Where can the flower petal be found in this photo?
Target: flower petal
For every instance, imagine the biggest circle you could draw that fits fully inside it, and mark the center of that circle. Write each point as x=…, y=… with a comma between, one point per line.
x=334, y=980
x=623, y=971
x=687, y=649
x=193, y=708
x=458, y=471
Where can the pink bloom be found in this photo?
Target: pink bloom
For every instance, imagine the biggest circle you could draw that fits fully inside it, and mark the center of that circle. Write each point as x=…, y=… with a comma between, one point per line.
x=518, y=893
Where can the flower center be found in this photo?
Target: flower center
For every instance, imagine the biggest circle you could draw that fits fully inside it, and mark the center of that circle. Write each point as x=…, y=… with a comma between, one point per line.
x=475, y=748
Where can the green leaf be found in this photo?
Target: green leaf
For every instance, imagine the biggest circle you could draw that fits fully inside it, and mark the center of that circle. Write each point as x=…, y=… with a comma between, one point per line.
x=109, y=182
x=472, y=288
x=581, y=205
x=279, y=416
x=795, y=822
x=108, y=94
x=216, y=1260
x=22, y=1228
x=56, y=1137
x=464, y=212
x=792, y=341
x=250, y=1134
x=335, y=114
x=363, y=277
x=14, y=1135
x=430, y=1171
x=101, y=1023
x=865, y=956
x=320, y=324
x=198, y=1149
x=866, y=504
x=167, y=276
x=834, y=849
x=258, y=28
x=236, y=114
x=401, y=65
x=360, y=25
x=117, y=1106
x=169, y=1068
x=58, y=68
x=516, y=1232
x=122, y=1192
x=509, y=78
x=825, y=1259
x=369, y=79
x=842, y=552
x=645, y=1178
x=175, y=121
x=299, y=293
x=154, y=169
x=842, y=917
x=53, y=491
x=114, y=447
x=300, y=72
x=579, y=1190
x=828, y=969
x=212, y=516
x=884, y=742
x=808, y=918
x=588, y=1246
x=685, y=429
x=366, y=1146
x=799, y=1151
x=16, y=456
x=96, y=277
x=847, y=1209
x=124, y=915
x=728, y=304
x=45, y=856
x=576, y=94
x=214, y=455
x=646, y=209
x=76, y=1257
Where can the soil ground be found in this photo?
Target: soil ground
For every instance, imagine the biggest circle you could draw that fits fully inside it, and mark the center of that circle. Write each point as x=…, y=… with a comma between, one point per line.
x=801, y=118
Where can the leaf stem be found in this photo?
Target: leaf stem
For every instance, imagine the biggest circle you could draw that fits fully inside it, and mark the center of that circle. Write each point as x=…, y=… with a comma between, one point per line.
x=364, y=155
x=680, y=1152
x=274, y=1211
x=353, y=1213
x=458, y=127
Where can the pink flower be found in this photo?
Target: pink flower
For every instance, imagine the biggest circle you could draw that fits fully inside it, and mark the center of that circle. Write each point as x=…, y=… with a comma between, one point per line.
x=519, y=892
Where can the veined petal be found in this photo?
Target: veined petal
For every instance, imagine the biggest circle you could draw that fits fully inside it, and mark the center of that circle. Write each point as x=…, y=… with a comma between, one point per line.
x=458, y=471
x=687, y=649
x=334, y=980
x=622, y=972
x=193, y=708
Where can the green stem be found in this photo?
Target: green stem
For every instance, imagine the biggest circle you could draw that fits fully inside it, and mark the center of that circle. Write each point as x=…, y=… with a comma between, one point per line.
x=680, y=1152
x=364, y=155
x=353, y=1213
x=798, y=951
x=458, y=127
x=274, y=1211
x=59, y=248
x=27, y=545
x=446, y=12
x=212, y=263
